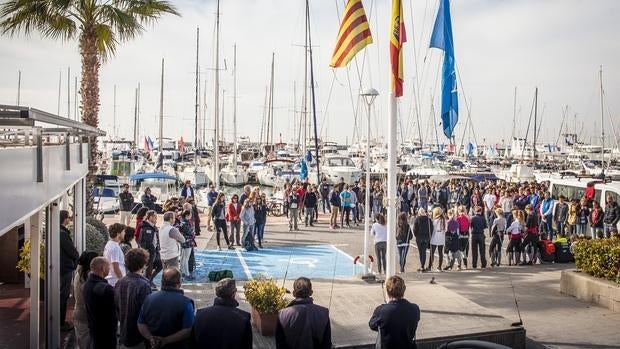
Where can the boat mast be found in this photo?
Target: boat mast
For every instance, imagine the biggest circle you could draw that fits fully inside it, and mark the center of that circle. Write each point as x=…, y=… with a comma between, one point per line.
x=216, y=139
x=313, y=96
x=602, y=125
x=19, y=86
x=161, y=110
x=270, y=112
x=135, y=119
x=59, y=88
x=114, y=114
x=535, y=123
x=197, y=102
x=235, y=107
x=514, y=116
x=68, y=92
x=303, y=121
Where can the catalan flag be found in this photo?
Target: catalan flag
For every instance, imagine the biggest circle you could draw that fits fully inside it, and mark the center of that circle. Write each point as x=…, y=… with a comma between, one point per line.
x=353, y=36
x=397, y=38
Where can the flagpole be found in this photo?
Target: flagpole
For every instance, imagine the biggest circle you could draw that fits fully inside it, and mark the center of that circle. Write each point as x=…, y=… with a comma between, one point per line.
x=392, y=209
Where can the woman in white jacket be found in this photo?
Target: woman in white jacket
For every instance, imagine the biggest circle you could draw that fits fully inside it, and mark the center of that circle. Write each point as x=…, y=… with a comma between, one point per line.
x=438, y=238
x=248, y=220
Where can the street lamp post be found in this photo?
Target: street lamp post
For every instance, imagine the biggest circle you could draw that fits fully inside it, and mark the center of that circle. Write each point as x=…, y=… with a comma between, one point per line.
x=369, y=96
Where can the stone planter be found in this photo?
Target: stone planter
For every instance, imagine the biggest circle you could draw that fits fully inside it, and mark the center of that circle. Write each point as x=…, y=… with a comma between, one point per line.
x=265, y=323
x=591, y=289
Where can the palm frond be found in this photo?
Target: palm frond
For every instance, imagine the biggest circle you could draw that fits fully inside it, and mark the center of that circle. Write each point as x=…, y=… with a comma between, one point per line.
x=106, y=41
x=148, y=11
x=120, y=21
x=50, y=17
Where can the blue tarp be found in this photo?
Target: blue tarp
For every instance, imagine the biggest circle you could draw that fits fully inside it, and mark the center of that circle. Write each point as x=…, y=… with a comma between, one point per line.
x=151, y=175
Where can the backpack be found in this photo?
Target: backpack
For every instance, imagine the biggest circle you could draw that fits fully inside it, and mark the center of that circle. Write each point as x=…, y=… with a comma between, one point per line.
x=217, y=275
x=563, y=254
x=334, y=198
x=547, y=250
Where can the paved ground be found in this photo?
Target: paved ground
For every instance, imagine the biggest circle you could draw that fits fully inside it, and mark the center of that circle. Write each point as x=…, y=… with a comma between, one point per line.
x=550, y=318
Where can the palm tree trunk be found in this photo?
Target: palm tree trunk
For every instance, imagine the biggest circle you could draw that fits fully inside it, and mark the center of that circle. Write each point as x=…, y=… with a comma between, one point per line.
x=89, y=91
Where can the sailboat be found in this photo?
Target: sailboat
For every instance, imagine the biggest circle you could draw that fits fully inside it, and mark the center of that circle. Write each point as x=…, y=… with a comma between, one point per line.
x=233, y=174
x=195, y=173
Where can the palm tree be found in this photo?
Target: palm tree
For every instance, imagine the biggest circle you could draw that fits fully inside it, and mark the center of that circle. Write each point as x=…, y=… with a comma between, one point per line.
x=99, y=25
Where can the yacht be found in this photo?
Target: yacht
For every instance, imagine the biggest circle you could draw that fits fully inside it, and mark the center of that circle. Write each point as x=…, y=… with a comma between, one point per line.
x=335, y=167
x=277, y=171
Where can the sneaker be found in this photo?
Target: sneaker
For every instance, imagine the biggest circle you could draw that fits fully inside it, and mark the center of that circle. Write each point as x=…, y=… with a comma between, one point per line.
x=231, y=247
x=219, y=248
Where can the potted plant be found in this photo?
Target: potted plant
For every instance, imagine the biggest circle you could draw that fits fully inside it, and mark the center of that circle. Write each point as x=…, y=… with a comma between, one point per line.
x=266, y=299
x=23, y=264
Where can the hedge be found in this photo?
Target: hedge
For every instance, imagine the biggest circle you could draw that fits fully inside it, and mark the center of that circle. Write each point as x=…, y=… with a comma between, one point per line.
x=599, y=258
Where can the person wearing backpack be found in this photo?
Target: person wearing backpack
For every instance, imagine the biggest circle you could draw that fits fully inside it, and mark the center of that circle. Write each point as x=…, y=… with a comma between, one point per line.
x=498, y=227
x=422, y=230
x=293, y=208
x=452, y=241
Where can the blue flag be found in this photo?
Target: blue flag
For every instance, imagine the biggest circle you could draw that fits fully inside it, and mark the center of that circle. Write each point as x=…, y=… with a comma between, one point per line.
x=303, y=173
x=443, y=40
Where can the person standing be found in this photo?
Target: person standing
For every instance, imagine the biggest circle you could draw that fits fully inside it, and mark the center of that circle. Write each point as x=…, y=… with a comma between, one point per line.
x=546, y=215
x=346, y=200
x=186, y=229
x=187, y=191
x=167, y=316
x=126, y=201
x=149, y=240
x=530, y=241
x=129, y=295
x=612, y=215
x=334, y=202
x=498, y=228
x=80, y=316
x=310, y=202
x=128, y=237
x=114, y=254
x=489, y=203
x=212, y=196
x=379, y=230
x=582, y=217
x=596, y=219
x=506, y=202
x=246, y=194
x=218, y=213
x=403, y=237
x=170, y=239
x=422, y=230
x=423, y=196
x=233, y=211
x=223, y=325
x=324, y=191
x=68, y=262
x=452, y=246
x=478, y=225
x=303, y=324
x=247, y=216
x=397, y=320
x=438, y=238
x=464, y=226
x=293, y=208
x=560, y=215
x=99, y=303
x=515, y=231
x=260, y=217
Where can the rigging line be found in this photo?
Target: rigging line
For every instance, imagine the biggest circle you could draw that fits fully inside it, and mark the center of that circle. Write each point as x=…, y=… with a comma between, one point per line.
x=527, y=131
x=462, y=89
x=564, y=113
x=611, y=121
x=356, y=107
x=542, y=113
x=415, y=101
x=329, y=98
x=331, y=292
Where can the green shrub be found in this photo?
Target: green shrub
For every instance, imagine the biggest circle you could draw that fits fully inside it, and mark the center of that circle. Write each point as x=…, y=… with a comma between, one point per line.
x=99, y=226
x=94, y=240
x=599, y=258
x=264, y=295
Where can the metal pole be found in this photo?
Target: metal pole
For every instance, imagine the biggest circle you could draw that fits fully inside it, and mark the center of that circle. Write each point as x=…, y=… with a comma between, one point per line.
x=602, y=126
x=216, y=104
x=367, y=203
x=313, y=96
x=391, y=190
x=33, y=227
x=79, y=216
x=161, y=111
x=69, y=93
x=19, y=86
x=52, y=279
x=197, y=104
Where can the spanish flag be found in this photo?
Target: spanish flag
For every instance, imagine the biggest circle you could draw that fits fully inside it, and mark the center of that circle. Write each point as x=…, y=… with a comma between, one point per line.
x=397, y=38
x=353, y=36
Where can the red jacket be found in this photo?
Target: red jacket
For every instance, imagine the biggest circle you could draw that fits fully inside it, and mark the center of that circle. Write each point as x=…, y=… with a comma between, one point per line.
x=232, y=212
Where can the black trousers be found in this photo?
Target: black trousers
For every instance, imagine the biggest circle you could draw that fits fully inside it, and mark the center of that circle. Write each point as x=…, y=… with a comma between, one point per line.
x=422, y=246
x=478, y=248
x=65, y=290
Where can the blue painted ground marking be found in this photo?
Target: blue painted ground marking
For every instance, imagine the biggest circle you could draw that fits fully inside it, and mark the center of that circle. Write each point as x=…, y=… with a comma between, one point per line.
x=321, y=261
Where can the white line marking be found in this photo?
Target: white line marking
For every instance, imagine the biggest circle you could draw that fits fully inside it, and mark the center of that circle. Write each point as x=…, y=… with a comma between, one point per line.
x=246, y=269
x=341, y=251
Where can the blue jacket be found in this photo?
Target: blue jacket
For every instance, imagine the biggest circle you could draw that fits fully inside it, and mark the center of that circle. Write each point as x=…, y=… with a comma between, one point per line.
x=222, y=326
x=546, y=208
x=398, y=322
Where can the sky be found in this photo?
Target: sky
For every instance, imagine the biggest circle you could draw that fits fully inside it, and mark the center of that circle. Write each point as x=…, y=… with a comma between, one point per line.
x=555, y=45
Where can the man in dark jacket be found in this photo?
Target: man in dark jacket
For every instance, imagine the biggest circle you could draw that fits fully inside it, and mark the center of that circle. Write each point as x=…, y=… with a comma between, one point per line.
x=422, y=230
x=223, y=325
x=309, y=201
x=324, y=191
x=126, y=201
x=129, y=294
x=612, y=215
x=478, y=225
x=149, y=240
x=302, y=324
x=99, y=301
x=167, y=316
x=68, y=262
x=187, y=191
x=397, y=320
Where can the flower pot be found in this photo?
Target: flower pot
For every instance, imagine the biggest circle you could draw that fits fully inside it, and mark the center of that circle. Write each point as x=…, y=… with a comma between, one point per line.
x=265, y=323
